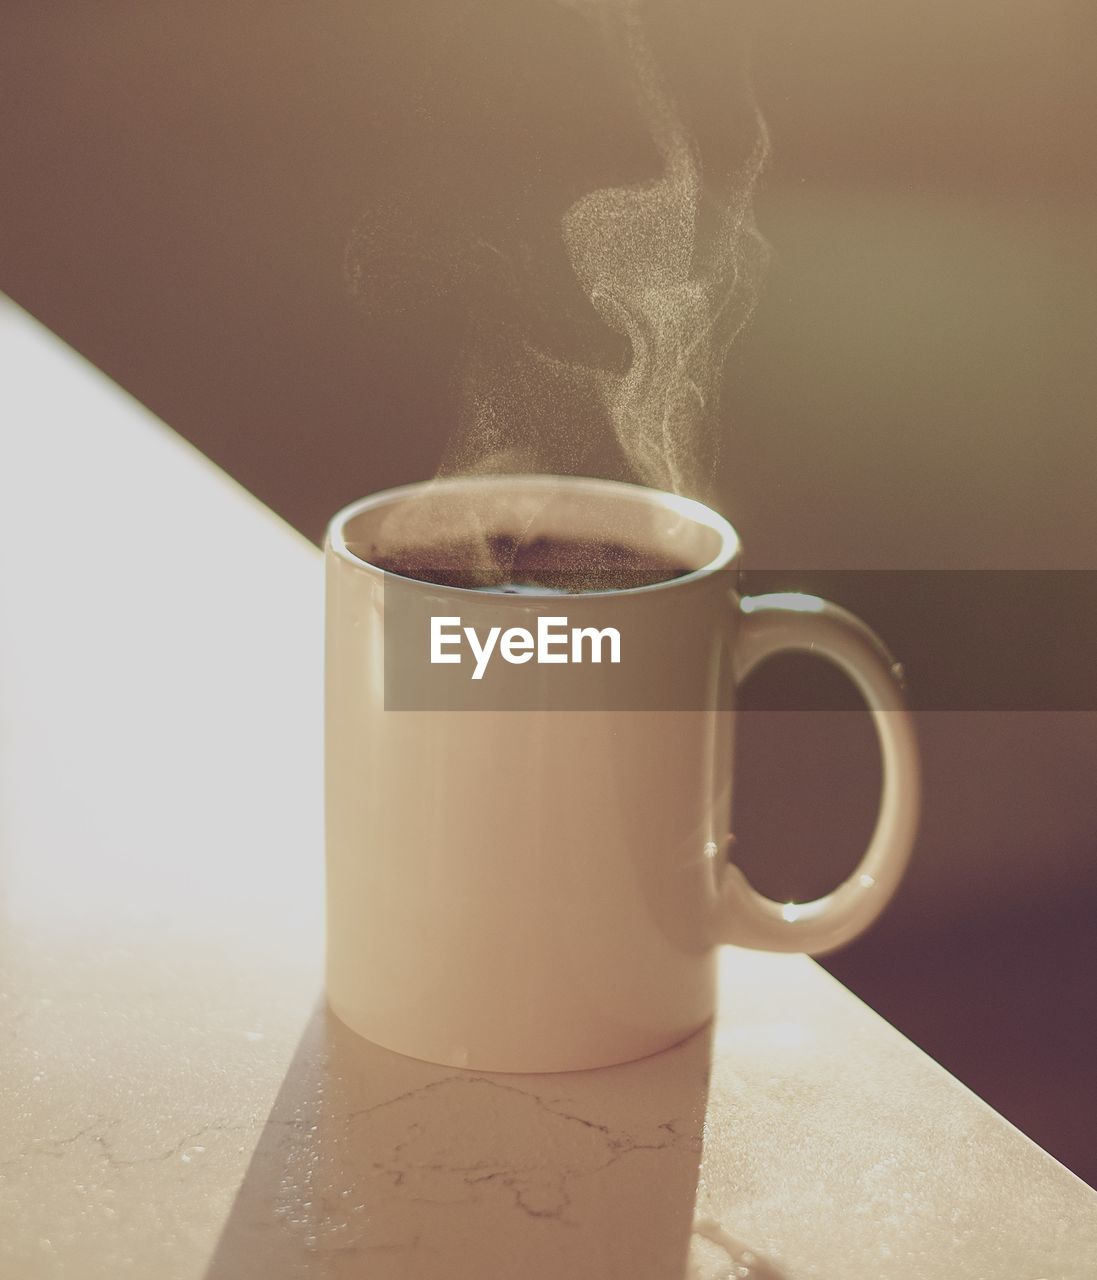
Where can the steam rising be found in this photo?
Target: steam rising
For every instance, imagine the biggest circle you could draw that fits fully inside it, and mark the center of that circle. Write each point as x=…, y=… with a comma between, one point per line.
x=677, y=289
x=669, y=269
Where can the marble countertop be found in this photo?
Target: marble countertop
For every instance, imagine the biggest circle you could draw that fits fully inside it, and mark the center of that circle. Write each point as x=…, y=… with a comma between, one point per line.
x=175, y=1101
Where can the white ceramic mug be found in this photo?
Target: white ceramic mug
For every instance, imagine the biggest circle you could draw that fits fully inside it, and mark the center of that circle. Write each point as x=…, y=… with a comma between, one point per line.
x=543, y=889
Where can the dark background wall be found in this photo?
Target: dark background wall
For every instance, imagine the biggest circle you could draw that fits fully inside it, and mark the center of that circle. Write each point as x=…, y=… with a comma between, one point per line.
x=917, y=389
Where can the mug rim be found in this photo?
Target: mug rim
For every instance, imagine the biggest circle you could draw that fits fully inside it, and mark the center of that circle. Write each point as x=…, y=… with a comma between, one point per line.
x=690, y=508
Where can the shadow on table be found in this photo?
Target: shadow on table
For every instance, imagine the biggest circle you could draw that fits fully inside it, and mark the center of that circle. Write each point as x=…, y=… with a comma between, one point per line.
x=376, y=1164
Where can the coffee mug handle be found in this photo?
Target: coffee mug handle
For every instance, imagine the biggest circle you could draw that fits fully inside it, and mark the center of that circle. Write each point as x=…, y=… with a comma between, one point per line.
x=772, y=624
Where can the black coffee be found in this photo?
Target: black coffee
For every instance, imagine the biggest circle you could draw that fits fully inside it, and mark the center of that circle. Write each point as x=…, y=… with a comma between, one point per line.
x=506, y=564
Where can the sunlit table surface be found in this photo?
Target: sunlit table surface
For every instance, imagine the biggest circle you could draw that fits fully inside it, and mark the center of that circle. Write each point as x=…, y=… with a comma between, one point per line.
x=175, y=1102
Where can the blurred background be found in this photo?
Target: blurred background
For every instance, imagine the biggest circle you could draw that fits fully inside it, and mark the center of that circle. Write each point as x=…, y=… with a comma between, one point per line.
x=188, y=190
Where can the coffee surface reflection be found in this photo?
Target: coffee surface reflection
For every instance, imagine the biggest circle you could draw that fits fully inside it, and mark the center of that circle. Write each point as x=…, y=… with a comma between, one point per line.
x=541, y=566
